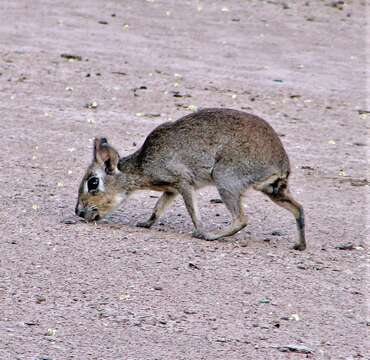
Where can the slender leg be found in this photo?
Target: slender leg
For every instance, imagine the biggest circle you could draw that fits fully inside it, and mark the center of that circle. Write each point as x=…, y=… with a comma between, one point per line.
x=233, y=202
x=191, y=204
x=283, y=198
x=163, y=202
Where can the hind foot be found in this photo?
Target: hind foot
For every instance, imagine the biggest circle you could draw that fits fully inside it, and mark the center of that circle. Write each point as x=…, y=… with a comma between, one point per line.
x=205, y=236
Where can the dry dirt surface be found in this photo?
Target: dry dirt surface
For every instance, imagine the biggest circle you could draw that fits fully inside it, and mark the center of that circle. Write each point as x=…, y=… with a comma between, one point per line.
x=113, y=291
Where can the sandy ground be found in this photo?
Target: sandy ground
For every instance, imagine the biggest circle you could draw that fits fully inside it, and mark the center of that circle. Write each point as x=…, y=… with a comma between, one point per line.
x=114, y=291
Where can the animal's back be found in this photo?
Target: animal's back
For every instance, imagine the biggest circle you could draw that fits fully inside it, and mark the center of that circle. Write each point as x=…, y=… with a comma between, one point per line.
x=196, y=142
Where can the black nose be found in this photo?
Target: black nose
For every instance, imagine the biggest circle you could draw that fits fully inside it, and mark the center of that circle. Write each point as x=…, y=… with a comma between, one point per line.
x=81, y=213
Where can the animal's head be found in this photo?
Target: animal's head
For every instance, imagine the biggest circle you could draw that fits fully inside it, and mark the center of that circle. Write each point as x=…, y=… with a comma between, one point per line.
x=100, y=192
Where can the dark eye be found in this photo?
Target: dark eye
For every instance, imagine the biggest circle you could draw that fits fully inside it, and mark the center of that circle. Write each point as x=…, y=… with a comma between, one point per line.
x=93, y=183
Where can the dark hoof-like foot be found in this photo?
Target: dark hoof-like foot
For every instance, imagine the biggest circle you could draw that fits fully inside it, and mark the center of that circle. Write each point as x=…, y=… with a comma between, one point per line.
x=144, y=224
x=299, y=247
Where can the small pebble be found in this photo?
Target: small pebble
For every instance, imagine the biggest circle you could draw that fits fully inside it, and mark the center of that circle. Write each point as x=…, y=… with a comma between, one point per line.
x=216, y=201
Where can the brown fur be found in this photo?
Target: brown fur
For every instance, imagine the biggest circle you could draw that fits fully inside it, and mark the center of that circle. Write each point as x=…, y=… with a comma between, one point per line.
x=228, y=148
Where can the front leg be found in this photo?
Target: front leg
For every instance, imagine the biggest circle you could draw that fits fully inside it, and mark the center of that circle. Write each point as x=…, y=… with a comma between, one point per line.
x=163, y=202
x=190, y=201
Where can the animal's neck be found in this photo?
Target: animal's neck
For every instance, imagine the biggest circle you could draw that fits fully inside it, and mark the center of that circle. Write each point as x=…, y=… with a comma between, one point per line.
x=132, y=173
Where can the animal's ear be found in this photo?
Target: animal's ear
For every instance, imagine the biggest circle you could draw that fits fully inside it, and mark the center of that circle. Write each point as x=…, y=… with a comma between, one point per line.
x=105, y=155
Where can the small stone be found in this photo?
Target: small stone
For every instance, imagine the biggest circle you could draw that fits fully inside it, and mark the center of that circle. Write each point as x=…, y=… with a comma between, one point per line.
x=159, y=288
x=40, y=299
x=192, y=108
x=264, y=301
x=51, y=332
x=294, y=317
x=31, y=323
x=193, y=266
x=189, y=312
x=71, y=57
x=346, y=246
x=276, y=233
x=222, y=340
x=91, y=105
x=337, y=4
x=295, y=348
x=359, y=182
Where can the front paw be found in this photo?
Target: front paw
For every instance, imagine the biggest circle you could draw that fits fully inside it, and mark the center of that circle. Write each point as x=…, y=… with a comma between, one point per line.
x=197, y=234
x=299, y=246
x=144, y=224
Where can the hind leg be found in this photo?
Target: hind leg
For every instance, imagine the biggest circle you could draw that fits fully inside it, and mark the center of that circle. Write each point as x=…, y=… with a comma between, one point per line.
x=230, y=190
x=233, y=202
x=279, y=193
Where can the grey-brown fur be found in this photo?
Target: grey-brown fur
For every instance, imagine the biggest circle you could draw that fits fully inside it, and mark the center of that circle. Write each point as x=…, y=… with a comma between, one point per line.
x=228, y=148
